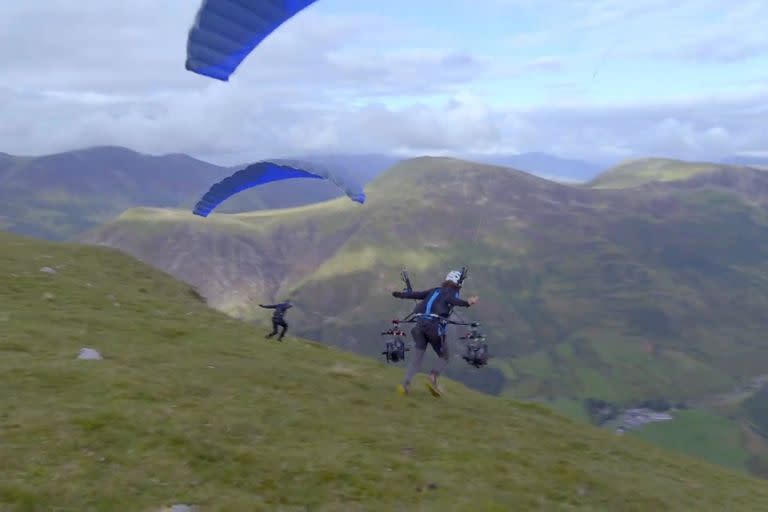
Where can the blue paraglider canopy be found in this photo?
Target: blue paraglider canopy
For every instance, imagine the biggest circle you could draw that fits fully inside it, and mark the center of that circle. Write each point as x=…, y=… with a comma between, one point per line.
x=225, y=32
x=267, y=172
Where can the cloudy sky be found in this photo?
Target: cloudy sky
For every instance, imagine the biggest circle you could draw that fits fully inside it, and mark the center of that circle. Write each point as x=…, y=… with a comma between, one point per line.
x=601, y=80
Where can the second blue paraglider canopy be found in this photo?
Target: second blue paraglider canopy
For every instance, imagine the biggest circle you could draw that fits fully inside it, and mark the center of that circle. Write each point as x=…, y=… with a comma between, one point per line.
x=270, y=171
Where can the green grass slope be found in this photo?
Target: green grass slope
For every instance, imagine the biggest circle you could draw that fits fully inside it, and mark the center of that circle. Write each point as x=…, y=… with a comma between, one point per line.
x=611, y=294
x=646, y=170
x=190, y=406
x=701, y=434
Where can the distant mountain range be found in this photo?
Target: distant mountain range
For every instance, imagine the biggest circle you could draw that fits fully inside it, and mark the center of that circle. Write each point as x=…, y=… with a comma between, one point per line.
x=544, y=165
x=60, y=195
x=538, y=164
x=753, y=161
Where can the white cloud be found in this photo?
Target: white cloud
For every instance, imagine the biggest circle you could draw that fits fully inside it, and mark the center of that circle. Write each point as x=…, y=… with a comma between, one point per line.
x=696, y=127
x=95, y=72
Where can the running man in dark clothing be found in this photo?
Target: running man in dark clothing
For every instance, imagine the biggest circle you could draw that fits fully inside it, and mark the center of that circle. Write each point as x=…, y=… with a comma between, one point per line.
x=278, y=317
x=434, y=309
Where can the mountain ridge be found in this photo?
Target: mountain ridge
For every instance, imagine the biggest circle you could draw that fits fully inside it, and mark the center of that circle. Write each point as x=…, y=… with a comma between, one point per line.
x=644, y=171
x=60, y=195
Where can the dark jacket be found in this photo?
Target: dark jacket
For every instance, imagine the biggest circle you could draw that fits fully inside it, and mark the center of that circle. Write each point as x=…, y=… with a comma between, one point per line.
x=280, y=309
x=435, y=301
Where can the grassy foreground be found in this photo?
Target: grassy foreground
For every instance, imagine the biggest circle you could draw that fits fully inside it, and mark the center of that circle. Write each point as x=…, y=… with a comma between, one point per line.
x=190, y=406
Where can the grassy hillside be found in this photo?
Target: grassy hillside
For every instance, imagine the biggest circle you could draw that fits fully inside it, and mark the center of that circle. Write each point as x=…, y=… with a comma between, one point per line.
x=613, y=294
x=701, y=434
x=190, y=406
x=647, y=170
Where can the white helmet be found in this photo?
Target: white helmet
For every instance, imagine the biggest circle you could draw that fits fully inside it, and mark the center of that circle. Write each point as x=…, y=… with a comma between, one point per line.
x=453, y=276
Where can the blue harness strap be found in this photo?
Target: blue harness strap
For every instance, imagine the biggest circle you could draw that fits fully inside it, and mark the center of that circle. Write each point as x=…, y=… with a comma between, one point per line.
x=428, y=315
x=430, y=303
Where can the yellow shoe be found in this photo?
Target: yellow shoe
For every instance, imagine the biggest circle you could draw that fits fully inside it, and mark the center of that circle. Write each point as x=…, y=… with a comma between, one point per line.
x=402, y=390
x=434, y=389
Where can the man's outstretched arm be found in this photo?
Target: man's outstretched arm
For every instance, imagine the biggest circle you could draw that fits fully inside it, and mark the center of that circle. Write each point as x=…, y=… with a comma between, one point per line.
x=412, y=294
x=458, y=301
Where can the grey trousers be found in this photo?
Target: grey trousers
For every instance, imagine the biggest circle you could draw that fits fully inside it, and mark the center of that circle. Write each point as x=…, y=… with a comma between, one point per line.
x=427, y=333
